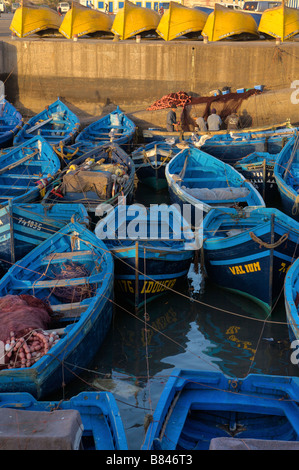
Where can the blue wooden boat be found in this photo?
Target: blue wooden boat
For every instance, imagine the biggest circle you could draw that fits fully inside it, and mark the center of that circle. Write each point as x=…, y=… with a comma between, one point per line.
x=94, y=179
x=198, y=406
x=71, y=274
x=56, y=124
x=234, y=145
x=88, y=421
x=291, y=299
x=24, y=226
x=150, y=161
x=10, y=123
x=198, y=179
x=286, y=172
x=26, y=170
x=258, y=168
x=250, y=251
x=231, y=146
x=154, y=259
x=114, y=127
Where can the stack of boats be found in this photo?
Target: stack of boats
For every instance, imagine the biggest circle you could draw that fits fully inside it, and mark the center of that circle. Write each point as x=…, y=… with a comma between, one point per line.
x=178, y=21
x=68, y=245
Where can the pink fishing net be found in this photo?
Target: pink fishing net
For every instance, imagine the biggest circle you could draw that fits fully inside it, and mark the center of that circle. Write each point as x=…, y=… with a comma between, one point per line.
x=20, y=312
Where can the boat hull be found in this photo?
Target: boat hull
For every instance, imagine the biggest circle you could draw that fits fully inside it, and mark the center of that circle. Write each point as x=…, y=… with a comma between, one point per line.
x=197, y=406
x=83, y=333
x=255, y=262
x=280, y=22
x=180, y=20
x=157, y=272
x=260, y=172
x=286, y=173
x=30, y=20
x=81, y=21
x=291, y=290
x=57, y=124
x=224, y=23
x=24, y=226
x=133, y=19
x=102, y=425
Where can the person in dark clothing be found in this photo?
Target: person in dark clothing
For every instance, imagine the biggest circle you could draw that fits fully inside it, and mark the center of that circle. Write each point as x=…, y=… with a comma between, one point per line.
x=232, y=121
x=171, y=121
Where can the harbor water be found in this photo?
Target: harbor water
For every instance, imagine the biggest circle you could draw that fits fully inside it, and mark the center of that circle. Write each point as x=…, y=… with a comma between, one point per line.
x=199, y=327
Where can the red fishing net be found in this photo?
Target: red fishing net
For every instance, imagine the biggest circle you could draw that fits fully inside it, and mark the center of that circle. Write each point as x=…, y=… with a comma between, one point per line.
x=23, y=319
x=231, y=103
x=20, y=312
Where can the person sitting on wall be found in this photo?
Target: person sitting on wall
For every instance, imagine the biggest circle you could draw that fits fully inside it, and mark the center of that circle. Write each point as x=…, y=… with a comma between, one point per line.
x=171, y=122
x=201, y=124
x=214, y=121
x=232, y=121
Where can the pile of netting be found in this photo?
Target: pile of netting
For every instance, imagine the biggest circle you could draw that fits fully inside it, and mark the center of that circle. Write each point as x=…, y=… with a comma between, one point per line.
x=23, y=321
x=173, y=99
x=231, y=103
x=71, y=270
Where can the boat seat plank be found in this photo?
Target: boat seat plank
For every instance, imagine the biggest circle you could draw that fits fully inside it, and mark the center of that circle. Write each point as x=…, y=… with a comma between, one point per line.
x=67, y=256
x=21, y=284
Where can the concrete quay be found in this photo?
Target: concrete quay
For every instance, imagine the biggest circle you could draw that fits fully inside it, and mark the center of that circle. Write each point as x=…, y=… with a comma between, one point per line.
x=94, y=75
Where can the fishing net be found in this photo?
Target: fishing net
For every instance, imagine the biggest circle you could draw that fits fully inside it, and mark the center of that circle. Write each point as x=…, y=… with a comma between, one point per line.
x=231, y=103
x=23, y=340
x=20, y=312
x=71, y=270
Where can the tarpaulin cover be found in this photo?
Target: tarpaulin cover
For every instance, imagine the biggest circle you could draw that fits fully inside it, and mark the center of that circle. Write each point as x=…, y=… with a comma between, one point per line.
x=84, y=181
x=40, y=430
x=231, y=443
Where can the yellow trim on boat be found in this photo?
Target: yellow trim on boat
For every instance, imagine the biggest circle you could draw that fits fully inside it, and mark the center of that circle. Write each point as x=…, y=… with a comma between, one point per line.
x=224, y=22
x=29, y=20
x=179, y=20
x=132, y=19
x=81, y=20
x=280, y=22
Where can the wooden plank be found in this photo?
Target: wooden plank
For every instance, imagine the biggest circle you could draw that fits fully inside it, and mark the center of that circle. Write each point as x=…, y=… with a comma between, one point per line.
x=71, y=255
x=37, y=126
x=19, y=162
x=18, y=284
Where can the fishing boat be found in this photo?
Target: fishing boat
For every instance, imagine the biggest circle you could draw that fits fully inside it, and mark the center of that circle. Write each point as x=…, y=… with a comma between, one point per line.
x=198, y=406
x=286, y=173
x=58, y=305
x=114, y=127
x=180, y=20
x=87, y=421
x=280, y=22
x=24, y=226
x=35, y=19
x=150, y=161
x=250, y=251
x=26, y=170
x=10, y=122
x=234, y=145
x=56, y=124
x=152, y=249
x=226, y=23
x=204, y=182
x=258, y=168
x=96, y=178
x=81, y=21
x=132, y=19
x=230, y=146
x=291, y=299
